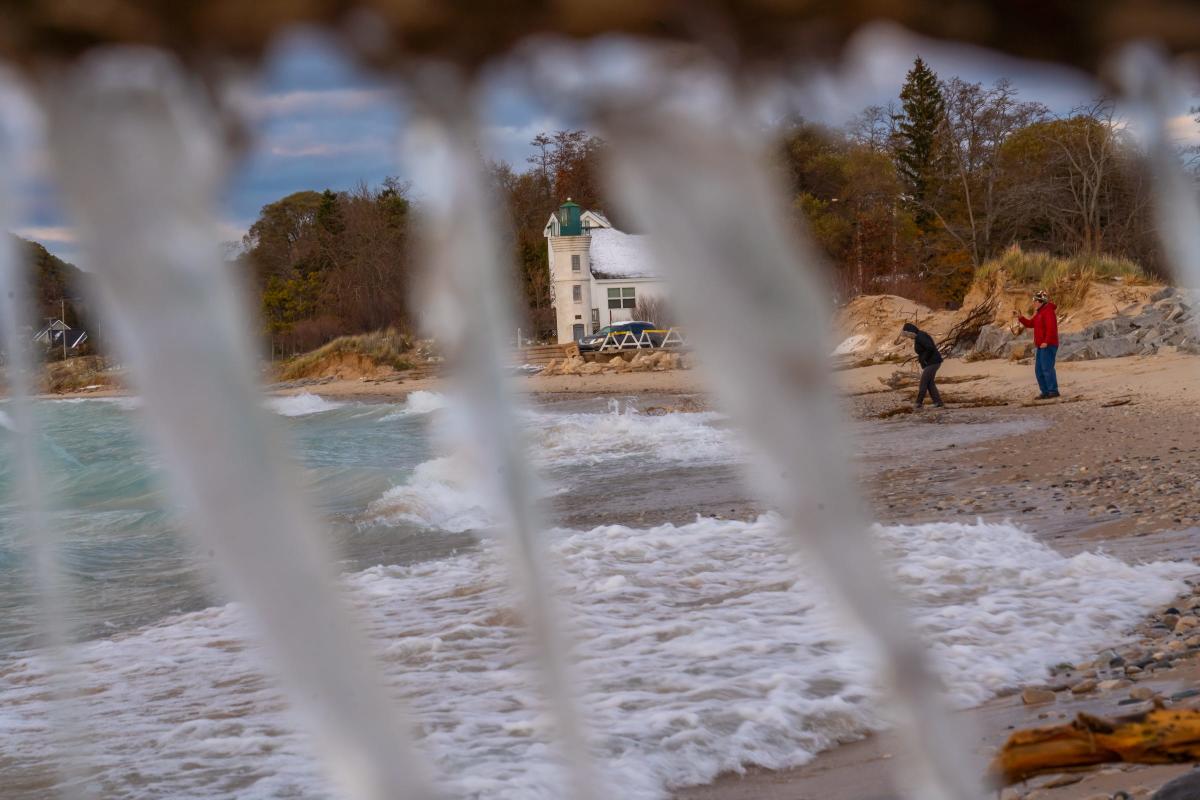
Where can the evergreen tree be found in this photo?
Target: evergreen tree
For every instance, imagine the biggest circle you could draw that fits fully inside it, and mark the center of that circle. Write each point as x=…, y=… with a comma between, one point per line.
x=923, y=110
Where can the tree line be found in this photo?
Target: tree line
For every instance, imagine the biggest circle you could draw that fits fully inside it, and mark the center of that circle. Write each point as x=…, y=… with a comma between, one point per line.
x=910, y=198
x=913, y=197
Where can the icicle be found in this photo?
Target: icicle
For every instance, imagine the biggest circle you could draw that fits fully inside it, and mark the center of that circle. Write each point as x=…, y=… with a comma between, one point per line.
x=138, y=157
x=1155, y=88
x=41, y=540
x=750, y=294
x=469, y=309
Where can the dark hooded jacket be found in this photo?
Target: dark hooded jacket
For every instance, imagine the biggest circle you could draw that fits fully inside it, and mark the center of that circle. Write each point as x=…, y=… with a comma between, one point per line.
x=927, y=352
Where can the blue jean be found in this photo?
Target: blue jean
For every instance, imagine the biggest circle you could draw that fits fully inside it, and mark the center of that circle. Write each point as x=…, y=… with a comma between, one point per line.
x=1043, y=368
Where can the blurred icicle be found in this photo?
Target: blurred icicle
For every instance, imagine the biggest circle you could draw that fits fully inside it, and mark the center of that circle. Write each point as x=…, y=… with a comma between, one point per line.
x=140, y=161
x=469, y=309
x=751, y=296
x=1156, y=90
x=41, y=540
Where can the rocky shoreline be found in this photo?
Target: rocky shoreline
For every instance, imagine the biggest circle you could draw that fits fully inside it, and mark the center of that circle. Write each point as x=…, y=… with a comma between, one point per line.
x=1107, y=468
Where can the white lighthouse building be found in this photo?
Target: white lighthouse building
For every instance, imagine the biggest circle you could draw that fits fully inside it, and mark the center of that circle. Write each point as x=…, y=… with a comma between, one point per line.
x=597, y=273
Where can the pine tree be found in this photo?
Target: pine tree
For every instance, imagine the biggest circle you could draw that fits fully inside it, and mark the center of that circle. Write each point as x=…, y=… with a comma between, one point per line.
x=923, y=109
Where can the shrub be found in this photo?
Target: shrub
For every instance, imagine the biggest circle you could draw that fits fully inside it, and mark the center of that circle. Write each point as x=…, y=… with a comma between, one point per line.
x=1067, y=279
x=387, y=348
x=1047, y=271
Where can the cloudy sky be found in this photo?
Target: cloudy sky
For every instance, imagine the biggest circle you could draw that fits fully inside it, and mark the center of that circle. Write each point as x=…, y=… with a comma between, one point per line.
x=320, y=123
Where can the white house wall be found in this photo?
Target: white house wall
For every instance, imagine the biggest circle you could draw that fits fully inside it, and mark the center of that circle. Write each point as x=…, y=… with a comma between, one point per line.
x=591, y=311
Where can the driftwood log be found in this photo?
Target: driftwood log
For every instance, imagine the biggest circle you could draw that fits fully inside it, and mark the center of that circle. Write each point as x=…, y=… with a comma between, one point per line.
x=1160, y=736
x=966, y=330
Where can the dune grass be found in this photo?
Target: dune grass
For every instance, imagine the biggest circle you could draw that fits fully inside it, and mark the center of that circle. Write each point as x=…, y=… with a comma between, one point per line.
x=1067, y=279
x=386, y=348
x=1047, y=271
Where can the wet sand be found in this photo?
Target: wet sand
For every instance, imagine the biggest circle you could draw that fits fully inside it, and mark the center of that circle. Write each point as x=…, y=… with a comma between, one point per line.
x=1081, y=474
x=1111, y=465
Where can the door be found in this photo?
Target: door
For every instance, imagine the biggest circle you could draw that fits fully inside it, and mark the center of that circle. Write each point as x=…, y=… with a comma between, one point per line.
x=577, y=332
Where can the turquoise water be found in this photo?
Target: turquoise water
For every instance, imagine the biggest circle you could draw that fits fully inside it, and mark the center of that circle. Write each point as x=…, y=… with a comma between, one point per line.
x=122, y=552
x=704, y=643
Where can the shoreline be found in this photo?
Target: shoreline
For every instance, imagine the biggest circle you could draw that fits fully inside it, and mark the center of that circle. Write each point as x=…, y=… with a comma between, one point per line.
x=1087, y=480
x=1107, y=467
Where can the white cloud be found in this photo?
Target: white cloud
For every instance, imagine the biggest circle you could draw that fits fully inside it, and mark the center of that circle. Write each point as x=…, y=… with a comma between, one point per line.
x=329, y=149
x=259, y=106
x=231, y=231
x=1184, y=129
x=56, y=234
x=511, y=142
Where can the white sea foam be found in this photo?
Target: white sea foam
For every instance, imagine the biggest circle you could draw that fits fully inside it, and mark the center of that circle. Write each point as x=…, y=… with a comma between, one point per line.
x=559, y=439
x=419, y=402
x=706, y=647
x=438, y=495
x=441, y=496
x=125, y=403
x=6, y=421
x=300, y=405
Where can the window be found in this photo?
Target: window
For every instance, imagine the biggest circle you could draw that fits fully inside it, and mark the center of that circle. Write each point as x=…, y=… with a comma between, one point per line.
x=577, y=293
x=575, y=263
x=622, y=298
x=595, y=320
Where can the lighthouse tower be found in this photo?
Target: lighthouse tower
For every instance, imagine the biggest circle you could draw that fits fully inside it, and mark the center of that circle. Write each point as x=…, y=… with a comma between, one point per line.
x=570, y=273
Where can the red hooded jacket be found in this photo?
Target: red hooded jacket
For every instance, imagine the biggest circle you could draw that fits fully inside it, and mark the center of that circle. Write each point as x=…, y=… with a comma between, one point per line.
x=1044, y=324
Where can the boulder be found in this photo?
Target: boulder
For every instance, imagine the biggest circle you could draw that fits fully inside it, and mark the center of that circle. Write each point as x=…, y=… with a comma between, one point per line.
x=1163, y=294
x=1185, y=787
x=571, y=366
x=1019, y=350
x=591, y=368
x=1107, y=347
x=992, y=340
x=1032, y=696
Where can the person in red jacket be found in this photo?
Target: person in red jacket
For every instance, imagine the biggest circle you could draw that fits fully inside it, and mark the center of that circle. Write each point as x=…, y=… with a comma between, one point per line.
x=1045, y=338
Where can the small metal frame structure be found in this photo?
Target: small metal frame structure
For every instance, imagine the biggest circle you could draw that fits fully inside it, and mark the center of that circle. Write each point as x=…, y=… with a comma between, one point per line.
x=627, y=340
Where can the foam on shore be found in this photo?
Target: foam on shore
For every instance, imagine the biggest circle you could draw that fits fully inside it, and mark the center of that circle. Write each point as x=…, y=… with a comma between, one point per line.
x=300, y=405
x=705, y=647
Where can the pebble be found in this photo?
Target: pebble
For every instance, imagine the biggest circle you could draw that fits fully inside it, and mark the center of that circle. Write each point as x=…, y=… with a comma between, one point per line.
x=1114, y=683
x=1141, y=693
x=1186, y=623
x=1032, y=696
x=1084, y=686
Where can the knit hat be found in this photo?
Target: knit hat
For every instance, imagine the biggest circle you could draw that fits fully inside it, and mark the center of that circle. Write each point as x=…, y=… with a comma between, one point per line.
x=910, y=328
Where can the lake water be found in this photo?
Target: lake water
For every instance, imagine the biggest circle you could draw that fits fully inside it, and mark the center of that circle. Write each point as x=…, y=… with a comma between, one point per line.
x=705, y=643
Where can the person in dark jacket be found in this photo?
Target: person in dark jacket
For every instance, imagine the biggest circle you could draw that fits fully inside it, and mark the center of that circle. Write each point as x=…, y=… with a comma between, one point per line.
x=930, y=359
x=1045, y=337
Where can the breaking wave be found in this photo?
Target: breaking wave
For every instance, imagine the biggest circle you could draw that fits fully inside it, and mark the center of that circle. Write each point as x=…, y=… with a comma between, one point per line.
x=419, y=402
x=705, y=647
x=438, y=495
x=693, y=438
x=300, y=405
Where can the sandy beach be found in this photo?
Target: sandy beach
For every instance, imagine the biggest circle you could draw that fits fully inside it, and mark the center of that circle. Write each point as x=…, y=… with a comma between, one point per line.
x=1108, y=466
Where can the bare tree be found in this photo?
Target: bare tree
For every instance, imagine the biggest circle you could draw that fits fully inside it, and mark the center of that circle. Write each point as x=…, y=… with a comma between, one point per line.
x=971, y=199
x=654, y=308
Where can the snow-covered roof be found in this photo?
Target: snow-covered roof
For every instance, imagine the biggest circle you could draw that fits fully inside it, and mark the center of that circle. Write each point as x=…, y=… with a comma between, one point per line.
x=615, y=254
